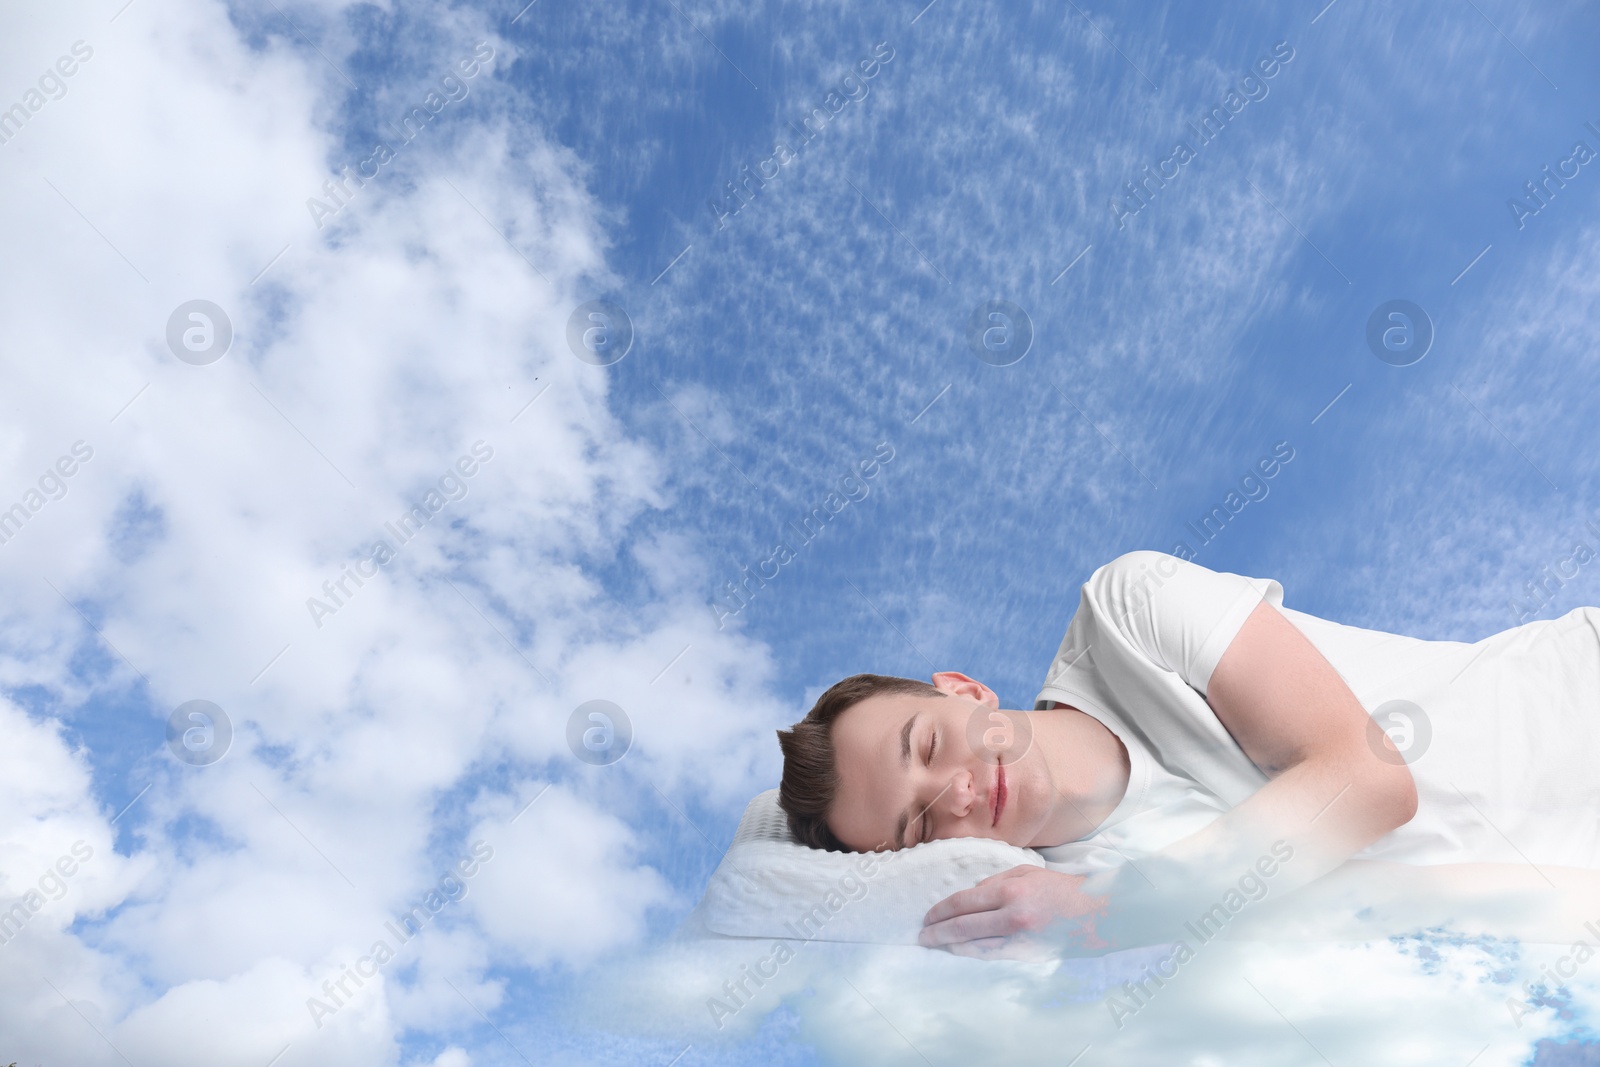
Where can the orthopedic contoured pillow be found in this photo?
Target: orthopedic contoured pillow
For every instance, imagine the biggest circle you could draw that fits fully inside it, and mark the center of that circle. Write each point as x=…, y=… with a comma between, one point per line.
x=770, y=885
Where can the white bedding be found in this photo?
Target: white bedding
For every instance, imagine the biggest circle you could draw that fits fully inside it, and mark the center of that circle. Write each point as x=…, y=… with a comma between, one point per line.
x=856, y=978
x=770, y=885
x=749, y=947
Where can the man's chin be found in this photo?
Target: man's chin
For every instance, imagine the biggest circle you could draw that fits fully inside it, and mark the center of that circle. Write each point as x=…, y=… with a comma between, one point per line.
x=1041, y=839
x=1026, y=841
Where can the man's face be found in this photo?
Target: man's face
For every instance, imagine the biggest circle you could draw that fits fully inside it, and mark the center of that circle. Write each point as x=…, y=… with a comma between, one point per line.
x=908, y=774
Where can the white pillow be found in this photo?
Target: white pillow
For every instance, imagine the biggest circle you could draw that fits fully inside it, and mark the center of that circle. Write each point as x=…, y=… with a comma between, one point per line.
x=770, y=885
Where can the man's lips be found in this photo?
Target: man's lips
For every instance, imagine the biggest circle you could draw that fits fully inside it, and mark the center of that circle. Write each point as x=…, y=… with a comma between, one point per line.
x=999, y=798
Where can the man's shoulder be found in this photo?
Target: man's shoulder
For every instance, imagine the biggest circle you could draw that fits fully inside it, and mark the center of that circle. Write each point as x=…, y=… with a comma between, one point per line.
x=1136, y=565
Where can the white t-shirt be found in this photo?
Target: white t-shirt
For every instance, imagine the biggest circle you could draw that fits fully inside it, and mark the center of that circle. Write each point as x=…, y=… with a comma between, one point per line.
x=1503, y=739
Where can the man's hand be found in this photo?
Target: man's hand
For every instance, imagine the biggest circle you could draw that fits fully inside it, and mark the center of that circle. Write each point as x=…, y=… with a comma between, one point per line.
x=1024, y=913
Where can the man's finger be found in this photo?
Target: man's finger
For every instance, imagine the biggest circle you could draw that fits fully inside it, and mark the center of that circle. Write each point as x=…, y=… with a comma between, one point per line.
x=980, y=897
x=969, y=927
x=1011, y=872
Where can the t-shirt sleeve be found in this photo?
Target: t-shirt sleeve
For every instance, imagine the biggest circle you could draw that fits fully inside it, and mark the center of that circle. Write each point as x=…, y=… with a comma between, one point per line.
x=1180, y=615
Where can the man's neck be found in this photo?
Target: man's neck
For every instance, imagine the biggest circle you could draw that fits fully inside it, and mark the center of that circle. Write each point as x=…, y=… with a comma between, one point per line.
x=1089, y=767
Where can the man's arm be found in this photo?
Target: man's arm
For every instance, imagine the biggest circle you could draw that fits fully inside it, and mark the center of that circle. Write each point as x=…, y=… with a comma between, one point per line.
x=1333, y=789
x=1331, y=794
x=1368, y=899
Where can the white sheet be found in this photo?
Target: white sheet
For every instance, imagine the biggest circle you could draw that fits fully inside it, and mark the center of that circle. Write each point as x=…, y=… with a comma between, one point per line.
x=770, y=885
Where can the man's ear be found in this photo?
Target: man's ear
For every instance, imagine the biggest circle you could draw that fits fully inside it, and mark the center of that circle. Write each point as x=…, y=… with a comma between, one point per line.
x=959, y=685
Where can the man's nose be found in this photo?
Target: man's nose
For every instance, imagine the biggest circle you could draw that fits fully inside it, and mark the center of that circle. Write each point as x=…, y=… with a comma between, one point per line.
x=961, y=796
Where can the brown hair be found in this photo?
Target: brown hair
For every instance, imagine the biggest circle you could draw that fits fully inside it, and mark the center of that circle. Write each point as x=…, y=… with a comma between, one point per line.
x=810, y=775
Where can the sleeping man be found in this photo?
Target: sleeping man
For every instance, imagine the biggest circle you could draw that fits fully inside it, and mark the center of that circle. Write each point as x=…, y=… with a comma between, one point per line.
x=1198, y=748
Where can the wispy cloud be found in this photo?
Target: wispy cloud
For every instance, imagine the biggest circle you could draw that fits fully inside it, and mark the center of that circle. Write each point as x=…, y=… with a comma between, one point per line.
x=583, y=560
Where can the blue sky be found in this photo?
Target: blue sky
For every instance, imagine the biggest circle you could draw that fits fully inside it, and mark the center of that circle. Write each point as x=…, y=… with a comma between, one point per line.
x=1173, y=347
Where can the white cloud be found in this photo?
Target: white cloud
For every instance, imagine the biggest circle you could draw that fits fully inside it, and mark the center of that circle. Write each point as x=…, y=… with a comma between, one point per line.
x=537, y=897
x=230, y=1022
x=376, y=353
